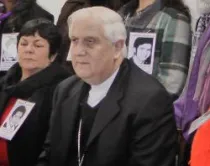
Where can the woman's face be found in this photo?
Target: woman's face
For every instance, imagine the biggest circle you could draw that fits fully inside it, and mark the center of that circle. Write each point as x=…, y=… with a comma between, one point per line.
x=33, y=53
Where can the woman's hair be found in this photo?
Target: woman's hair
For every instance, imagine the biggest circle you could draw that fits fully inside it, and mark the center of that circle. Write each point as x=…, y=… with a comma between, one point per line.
x=112, y=4
x=46, y=29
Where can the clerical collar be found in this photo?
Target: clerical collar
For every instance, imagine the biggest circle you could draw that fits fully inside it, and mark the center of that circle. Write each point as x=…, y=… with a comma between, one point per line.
x=98, y=92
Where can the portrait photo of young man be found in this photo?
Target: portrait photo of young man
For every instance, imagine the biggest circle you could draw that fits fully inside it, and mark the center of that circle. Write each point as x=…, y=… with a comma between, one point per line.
x=143, y=50
x=15, y=119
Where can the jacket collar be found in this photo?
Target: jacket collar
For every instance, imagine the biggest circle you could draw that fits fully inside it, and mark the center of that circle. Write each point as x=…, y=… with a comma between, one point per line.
x=46, y=77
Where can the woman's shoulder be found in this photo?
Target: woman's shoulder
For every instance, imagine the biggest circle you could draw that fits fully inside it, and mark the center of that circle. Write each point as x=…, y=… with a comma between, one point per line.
x=175, y=14
x=46, y=79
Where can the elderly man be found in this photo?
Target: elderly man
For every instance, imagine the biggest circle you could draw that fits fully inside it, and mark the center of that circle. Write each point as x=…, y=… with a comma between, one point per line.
x=111, y=113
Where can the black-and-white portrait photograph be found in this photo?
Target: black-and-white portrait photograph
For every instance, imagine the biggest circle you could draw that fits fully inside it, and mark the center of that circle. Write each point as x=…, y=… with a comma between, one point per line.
x=15, y=119
x=143, y=47
x=8, y=51
x=141, y=50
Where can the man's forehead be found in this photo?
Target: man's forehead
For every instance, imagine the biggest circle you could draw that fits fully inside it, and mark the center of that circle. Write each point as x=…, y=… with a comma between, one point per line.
x=86, y=21
x=86, y=28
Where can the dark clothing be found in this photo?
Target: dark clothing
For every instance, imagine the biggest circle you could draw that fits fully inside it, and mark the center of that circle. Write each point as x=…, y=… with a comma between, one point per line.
x=134, y=125
x=14, y=22
x=87, y=114
x=25, y=147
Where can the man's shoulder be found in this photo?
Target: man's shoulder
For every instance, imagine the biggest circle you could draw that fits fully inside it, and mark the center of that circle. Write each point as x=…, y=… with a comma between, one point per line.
x=144, y=83
x=68, y=86
x=145, y=92
x=68, y=82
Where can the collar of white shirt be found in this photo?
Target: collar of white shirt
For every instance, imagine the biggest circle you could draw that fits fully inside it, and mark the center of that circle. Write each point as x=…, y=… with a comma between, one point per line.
x=98, y=92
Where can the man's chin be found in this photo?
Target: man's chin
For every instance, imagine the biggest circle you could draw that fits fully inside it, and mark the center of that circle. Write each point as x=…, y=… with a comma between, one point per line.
x=83, y=75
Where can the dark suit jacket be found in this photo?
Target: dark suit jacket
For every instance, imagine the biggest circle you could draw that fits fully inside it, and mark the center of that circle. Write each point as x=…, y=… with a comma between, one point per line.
x=133, y=126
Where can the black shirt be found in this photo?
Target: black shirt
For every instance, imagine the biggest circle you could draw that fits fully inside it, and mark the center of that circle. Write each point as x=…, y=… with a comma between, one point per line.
x=87, y=114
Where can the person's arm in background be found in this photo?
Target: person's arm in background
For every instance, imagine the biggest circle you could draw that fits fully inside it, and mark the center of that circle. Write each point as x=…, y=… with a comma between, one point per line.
x=175, y=53
x=68, y=8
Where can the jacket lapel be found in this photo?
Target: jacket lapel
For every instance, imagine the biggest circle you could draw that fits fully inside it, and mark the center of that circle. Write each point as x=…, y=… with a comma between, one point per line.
x=110, y=107
x=108, y=110
x=69, y=115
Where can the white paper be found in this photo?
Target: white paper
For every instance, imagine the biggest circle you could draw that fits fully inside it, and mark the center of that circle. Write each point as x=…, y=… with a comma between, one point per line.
x=198, y=122
x=15, y=119
x=8, y=51
x=141, y=49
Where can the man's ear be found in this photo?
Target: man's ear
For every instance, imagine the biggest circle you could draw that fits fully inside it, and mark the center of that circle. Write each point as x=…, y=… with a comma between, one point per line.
x=119, y=46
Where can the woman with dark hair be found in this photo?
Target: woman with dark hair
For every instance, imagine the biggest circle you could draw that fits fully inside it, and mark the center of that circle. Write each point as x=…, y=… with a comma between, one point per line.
x=14, y=13
x=170, y=20
x=32, y=79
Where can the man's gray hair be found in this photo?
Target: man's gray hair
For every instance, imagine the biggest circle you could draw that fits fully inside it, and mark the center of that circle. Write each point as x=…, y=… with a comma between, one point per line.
x=112, y=22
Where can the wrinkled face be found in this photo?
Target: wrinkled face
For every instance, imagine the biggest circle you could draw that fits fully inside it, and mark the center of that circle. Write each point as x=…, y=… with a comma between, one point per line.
x=33, y=53
x=93, y=55
x=144, y=51
x=16, y=118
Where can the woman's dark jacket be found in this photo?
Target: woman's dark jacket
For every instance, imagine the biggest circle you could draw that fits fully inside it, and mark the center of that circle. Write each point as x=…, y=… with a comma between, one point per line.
x=26, y=145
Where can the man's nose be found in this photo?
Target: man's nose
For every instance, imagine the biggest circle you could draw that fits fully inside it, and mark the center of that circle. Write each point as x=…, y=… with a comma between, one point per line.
x=79, y=50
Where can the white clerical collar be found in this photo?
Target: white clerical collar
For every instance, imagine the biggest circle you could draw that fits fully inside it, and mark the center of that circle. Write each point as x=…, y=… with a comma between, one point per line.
x=98, y=92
